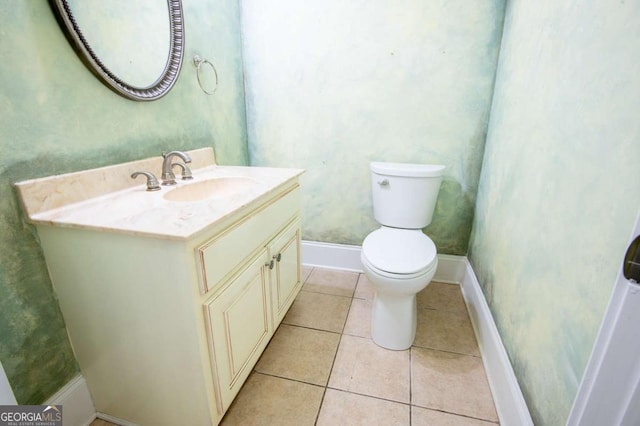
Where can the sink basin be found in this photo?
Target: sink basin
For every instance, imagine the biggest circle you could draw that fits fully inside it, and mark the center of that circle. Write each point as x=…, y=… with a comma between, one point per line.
x=211, y=188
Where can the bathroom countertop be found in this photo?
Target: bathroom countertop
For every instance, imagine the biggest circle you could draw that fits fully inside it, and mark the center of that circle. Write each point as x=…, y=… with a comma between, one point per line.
x=101, y=199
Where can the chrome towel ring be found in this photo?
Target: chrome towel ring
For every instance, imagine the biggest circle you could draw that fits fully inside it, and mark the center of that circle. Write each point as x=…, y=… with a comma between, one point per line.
x=198, y=61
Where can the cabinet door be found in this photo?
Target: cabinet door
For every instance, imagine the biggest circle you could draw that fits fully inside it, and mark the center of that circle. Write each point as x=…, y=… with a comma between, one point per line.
x=239, y=327
x=286, y=283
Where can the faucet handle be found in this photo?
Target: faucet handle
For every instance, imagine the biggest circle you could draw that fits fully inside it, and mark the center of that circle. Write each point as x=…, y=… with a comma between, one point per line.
x=152, y=181
x=186, y=171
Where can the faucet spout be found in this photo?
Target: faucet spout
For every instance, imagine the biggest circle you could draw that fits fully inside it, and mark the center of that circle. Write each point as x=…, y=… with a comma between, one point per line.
x=168, y=178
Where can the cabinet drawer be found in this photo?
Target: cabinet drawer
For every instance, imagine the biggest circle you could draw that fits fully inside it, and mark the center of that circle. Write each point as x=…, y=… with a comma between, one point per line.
x=223, y=254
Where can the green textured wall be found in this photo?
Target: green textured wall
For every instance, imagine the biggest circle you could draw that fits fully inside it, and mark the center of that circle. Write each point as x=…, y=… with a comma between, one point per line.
x=346, y=83
x=56, y=117
x=559, y=189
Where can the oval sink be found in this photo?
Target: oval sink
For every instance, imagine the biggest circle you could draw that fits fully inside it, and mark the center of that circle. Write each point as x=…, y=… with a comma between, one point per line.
x=210, y=188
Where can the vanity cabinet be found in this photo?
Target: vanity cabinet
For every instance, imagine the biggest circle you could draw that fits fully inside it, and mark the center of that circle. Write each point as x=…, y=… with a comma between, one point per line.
x=245, y=310
x=166, y=330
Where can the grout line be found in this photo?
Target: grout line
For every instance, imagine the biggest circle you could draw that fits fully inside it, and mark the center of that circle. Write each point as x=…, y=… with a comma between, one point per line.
x=324, y=393
x=456, y=414
x=309, y=328
x=341, y=334
x=370, y=396
x=452, y=311
x=287, y=378
x=446, y=351
x=410, y=385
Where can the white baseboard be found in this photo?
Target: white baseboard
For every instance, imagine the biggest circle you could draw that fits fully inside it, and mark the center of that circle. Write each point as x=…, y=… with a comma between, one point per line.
x=333, y=256
x=77, y=405
x=507, y=396
x=451, y=269
x=510, y=404
x=114, y=420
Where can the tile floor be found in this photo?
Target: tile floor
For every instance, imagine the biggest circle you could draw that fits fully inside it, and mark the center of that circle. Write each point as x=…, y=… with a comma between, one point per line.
x=322, y=368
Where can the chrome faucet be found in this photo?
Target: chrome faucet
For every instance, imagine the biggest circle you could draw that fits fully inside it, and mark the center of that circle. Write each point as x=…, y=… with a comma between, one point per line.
x=168, y=178
x=186, y=171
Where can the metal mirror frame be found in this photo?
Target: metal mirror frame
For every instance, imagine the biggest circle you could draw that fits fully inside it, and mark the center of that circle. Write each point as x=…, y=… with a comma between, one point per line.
x=156, y=90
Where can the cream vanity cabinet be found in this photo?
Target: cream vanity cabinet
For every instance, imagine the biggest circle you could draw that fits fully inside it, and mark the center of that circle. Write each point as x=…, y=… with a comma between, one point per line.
x=167, y=329
x=250, y=299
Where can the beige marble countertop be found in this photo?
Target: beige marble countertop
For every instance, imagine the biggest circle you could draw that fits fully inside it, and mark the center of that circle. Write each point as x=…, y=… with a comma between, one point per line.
x=108, y=199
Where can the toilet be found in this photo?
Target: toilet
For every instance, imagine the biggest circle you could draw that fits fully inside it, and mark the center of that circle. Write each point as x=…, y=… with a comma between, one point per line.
x=398, y=258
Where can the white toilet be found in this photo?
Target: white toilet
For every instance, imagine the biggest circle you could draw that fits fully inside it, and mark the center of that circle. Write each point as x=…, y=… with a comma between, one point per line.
x=399, y=259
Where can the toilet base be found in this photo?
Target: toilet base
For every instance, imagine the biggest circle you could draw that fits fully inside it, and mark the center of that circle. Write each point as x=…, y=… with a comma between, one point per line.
x=394, y=315
x=393, y=321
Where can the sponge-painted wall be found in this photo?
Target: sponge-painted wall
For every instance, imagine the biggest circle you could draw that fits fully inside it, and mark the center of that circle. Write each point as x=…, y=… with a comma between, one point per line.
x=559, y=189
x=333, y=85
x=56, y=117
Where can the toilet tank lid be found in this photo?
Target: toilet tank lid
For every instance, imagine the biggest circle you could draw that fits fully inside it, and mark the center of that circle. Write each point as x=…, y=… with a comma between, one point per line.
x=407, y=169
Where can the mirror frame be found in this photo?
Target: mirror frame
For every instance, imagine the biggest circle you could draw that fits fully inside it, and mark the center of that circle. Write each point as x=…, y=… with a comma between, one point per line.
x=157, y=89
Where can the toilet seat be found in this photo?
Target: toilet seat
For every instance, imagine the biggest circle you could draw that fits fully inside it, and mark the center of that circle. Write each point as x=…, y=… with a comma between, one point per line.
x=394, y=276
x=399, y=253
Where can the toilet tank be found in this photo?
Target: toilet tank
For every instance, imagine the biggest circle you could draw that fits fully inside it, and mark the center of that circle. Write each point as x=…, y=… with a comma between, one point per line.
x=404, y=194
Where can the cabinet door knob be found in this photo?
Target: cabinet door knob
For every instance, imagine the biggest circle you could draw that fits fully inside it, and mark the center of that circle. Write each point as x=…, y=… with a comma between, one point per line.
x=277, y=257
x=269, y=264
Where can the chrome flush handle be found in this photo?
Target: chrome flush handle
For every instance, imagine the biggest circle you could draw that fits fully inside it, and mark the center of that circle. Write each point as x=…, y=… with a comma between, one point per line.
x=384, y=182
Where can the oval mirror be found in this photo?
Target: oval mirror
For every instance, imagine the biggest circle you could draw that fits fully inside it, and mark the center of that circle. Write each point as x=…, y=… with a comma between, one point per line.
x=135, y=48
x=631, y=267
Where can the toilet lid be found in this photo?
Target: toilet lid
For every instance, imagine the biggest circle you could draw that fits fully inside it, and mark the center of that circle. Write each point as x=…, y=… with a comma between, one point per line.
x=399, y=251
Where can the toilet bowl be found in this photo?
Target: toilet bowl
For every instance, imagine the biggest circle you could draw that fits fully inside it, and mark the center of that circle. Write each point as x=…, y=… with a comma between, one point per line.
x=399, y=263
x=398, y=258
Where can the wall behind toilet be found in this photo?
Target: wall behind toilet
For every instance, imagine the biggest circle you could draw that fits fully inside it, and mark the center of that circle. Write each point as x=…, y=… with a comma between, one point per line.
x=333, y=85
x=559, y=190
x=56, y=117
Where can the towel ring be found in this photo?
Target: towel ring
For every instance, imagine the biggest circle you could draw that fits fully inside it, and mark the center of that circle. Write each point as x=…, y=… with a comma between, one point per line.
x=198, y=61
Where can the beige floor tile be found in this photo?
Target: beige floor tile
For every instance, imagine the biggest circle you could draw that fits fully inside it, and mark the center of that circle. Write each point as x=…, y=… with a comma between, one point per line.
x=359, y=319
x=442, y=296
x=328, y=281
x=342, y=409
x=424, y=417
x=306, y=271
x=446, y=331
x=450, y=382
x=300, y=354
x=320, y=311
x=267, y=400
x=364, y=289
x=363, y=367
